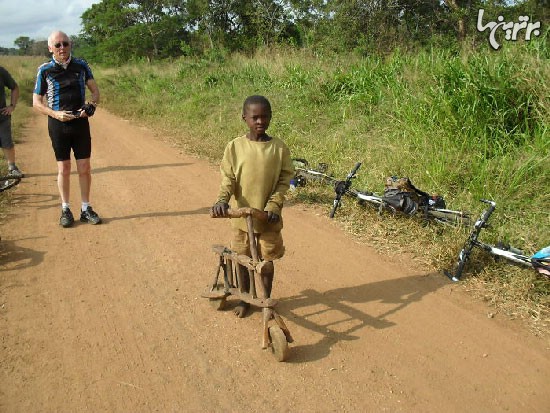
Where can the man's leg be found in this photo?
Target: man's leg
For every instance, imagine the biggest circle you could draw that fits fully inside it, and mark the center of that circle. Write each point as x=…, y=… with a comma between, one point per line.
x=85, y=178
x=87, y=214
x=8, y=148
x=64, y=180
x=9, y=154
x=63, y=184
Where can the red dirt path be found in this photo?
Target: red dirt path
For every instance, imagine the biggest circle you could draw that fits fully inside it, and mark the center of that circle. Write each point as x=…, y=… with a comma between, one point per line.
x=109, y=318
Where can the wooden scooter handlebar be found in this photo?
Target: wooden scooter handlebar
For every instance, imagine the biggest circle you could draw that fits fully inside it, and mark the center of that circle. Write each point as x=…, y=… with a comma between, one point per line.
x=243, y=213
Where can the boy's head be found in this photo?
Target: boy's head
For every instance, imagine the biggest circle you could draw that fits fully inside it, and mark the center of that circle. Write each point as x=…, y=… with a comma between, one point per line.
x=257, y=115
x=256, y=100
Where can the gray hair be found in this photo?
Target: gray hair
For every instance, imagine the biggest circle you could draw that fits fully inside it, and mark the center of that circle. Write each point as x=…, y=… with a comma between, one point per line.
x=52, y=34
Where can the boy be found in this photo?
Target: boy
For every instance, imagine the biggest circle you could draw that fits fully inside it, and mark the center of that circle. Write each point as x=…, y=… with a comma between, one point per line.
x=256, y=170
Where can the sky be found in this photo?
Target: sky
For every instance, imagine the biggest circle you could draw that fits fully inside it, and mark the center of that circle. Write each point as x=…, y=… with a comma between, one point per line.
x=38, y=18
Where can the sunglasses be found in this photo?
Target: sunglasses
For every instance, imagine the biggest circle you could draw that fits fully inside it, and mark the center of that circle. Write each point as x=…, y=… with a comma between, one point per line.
x=64, y=44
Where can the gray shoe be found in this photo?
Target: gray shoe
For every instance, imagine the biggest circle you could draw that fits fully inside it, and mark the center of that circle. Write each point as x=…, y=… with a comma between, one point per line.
x=90, y=216
x=15, y=172
x=67, y=219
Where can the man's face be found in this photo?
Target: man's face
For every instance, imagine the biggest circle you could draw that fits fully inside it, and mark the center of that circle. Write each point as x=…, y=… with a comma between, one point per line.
x=60, y=47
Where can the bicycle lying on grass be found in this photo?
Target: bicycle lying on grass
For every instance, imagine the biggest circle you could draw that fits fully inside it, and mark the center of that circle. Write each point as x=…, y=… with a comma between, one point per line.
x=540, y=261
x=432, y=207
x=7, y=182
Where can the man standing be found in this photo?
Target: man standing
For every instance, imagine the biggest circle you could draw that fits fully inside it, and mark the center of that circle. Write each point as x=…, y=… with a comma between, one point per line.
x=6, y=141
x=62, y=82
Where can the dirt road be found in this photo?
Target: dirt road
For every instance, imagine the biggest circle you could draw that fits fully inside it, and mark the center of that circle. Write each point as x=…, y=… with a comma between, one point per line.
x=109, y=318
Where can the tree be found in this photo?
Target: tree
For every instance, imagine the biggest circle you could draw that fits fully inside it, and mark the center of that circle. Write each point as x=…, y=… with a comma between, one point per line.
x=39, y=48
x=136, y=28
x=24, y=44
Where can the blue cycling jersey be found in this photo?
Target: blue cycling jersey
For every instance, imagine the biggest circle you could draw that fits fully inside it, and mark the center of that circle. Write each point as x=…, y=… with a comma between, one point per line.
x=65, y=88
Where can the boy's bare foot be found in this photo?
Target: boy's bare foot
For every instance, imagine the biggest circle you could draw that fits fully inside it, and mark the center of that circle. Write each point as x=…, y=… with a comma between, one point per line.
x=241, y=309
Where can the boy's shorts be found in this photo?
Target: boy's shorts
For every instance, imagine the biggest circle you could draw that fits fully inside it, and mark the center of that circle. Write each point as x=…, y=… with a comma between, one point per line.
x=74, y=135
x=270, y=244
x=6, y=140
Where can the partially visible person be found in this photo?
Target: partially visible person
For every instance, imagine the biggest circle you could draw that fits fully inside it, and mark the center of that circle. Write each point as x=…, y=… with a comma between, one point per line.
x=6, y=140
x=60, y=93
x=256, y=170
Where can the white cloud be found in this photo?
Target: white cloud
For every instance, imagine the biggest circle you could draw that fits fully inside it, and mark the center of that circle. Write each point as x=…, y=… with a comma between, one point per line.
x=38, y=18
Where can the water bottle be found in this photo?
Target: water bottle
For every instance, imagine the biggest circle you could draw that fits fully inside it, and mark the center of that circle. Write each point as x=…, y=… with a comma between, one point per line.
x=292, y=184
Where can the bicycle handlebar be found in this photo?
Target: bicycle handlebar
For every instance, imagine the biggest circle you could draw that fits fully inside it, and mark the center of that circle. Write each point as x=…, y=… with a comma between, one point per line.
x=472, y=240
x=482, y=221
x=354, y=170
x=342, y=187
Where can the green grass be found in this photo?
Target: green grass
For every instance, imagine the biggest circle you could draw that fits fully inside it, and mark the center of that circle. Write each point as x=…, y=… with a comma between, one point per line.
x=467, y=126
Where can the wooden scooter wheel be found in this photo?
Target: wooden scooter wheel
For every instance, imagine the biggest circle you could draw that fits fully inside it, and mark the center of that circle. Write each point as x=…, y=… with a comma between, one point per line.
x=279, y=345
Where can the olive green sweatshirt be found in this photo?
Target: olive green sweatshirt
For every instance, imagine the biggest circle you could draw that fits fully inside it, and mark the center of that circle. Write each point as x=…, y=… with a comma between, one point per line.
x=257, y=175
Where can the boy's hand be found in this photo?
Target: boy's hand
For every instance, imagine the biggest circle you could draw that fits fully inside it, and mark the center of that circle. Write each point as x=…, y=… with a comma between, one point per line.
x=272, y=217
x=220, y=209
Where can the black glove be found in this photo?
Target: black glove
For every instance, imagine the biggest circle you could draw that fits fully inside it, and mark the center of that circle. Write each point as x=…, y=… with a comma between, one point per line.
x=89, y=108
x=272, y=217
x=219, y=209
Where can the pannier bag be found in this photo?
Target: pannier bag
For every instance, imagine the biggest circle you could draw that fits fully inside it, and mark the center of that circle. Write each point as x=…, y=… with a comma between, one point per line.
x=403, y=196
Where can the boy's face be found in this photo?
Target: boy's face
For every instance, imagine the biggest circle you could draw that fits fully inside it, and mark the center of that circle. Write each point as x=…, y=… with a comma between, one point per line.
x=257, y=118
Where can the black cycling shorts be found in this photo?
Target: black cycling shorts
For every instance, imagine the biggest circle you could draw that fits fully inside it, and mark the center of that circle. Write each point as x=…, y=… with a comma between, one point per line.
x=74, y=135
x=6, y=141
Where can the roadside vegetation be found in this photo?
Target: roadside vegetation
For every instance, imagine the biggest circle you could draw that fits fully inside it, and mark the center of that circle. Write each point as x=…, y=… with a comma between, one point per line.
x=467, y=124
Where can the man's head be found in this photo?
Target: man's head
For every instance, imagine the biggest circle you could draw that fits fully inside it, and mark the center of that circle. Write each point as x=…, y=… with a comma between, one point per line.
x=59, y=44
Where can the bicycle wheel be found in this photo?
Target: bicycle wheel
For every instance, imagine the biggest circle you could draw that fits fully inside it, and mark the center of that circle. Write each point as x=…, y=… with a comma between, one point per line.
x=313, y=176
x=7, y=182
x=447, y=216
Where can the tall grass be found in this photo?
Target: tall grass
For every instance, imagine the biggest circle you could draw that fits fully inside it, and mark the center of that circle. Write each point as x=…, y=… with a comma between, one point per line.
x=468, y=126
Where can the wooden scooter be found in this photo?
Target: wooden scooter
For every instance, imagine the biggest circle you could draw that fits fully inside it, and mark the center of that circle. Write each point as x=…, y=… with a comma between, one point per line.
x=277, y=336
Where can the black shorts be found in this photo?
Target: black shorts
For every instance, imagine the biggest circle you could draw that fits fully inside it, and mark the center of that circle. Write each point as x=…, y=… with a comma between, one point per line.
x=74, y=135
x=6, y=141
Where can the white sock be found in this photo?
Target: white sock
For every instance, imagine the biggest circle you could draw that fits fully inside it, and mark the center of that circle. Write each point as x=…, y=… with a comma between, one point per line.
x=65, y=205
x=85, y=206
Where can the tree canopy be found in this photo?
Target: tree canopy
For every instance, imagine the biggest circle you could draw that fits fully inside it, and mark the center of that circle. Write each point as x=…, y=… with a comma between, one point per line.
x=118, y=30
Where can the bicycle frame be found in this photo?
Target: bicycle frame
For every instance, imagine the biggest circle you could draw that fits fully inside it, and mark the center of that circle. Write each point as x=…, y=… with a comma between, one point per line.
x=303, y=173
x=343, y=187
x=441, y=215
x=509, y=253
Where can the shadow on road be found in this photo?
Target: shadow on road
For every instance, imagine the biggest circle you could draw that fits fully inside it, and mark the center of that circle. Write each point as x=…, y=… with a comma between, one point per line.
x=115, y=169
x=14, y=257
x=199, y=211
x=336, y=315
